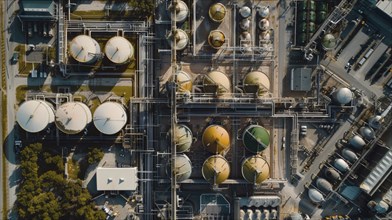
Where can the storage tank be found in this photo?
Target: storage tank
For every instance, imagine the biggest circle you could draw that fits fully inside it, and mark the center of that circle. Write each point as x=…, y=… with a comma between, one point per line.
x=73, y=117
x=256, y=138
x=216, y=39
x=315, y=196
x=341, y=165
x=332, y=175
x=367, y=132
x=264, y=24
x=216, y=169
x=110, y=117
x=343, y=96
x=255, y=169
x=182, y=11
x=265, y=35
x=216, y=82
x=312, y=16
x=328, y=42
x=256, y=79
x=119, y=50
x=216, y=139
x=245, y=12
x=84, y=49
x=245, y=36
x=183, y=168
x=357, y=142
x=375, y=121
x=217, y=12
x=183, y=139
x=184, y=81
x=245, y=24
x=181, y=39
x=323, y=185
x=264, y=11
x=349, y=155
x=34, y=115
x=296, y=216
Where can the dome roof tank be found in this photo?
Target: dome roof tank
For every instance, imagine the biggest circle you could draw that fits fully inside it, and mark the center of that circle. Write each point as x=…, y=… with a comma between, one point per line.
x=73, y=117
x=183, y=139
x=349, y=155
x=323, y=185
x=315, y=196
x=341, y=165
x=357, y=142
x=119, y=50
x=256, y=138
x=255, y=169
x=216, y=169
x=110, y=118
x=216, y=139
x=34, y=115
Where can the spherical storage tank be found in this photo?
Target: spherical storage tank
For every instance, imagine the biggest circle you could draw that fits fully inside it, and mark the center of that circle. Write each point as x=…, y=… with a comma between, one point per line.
x=183, y=167
x=349, y=155
x=216, y=169
x=255, y=169
x=181, y=39
x=245, y=11
x=341, y=165
x=183, y=138
x=110, y=118
x=296, y=216
x=264, y=11
x=217, y=12
x=184, y=81
x=219, y=79
x=357, y=142
x=72, y=117
x=84, y=49
x=315, y=196
x=375, y=121
x=216, y=139
x=332, y=175
x=259, y=79
x=216, y=39
x=35, y=115
x=367, y=132
x=119, y=50
x=256, y=138
x=245, y=24
x=264, y=24
x=265, y=35
x=343, y=96
x=323, y=185
x=328, y=42
x=181, y=10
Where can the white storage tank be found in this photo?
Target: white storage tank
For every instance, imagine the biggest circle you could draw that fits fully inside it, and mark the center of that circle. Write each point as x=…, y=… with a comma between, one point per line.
x=182, y=11
x=323, y=185
x=183, y=139
x=264, y=24
x=264, y=11
x=73, y=117
x=257, y=79
x=181, y=39
x=183, y=167
x=349, y=155
x=357, y=142
x=343, y=96
x=84, y=49
x=34, y=115
x=315, y=196
x=367, y=132
x=245, y=24
x=184, y=82
x=341, y=165
x=119, y=50
x=245, y=11
x=110, y=118
x=218, y=79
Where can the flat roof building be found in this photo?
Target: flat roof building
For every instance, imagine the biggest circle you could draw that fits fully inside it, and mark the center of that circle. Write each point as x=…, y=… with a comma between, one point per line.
x=301, y=79
x=38, y=10
x=117, y=179
x=385, y=6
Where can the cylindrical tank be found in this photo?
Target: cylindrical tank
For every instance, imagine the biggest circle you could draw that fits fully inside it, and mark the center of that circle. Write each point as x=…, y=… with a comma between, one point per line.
x=315, y=196
x=357, y=142
x=341, y=165
x=258, y=79
x=181, y=39
x=216, y=39
x=375, y=121
x=245, y=24
x=183, y=139
x=264, y=24
x=84, y=49
x=110, y=118
x=182, y=11
x=183, y=167
x=216, y=139
x=332, y=175
x=35, y=115
x=367, y=132
x=245, y=36
x=296, y=216
x=73, y=117
x=216, y=169
x=328, y=42
x=312, y=26
x=255, y=169
x=256, y=138
x=245, y=12
x=312, y=16
x=264, y=11
x=343, y=96
x=216, y=82
x=323, y=185
x=349, y=155
x=184, y=82
x=119, y=50
x=265, y=35
x=217, y=12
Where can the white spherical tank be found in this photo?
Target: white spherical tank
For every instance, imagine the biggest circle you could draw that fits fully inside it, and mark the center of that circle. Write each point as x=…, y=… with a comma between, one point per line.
x=315, y=196
x=183, y=167
x=119, y=50
x=183, y=138
x=264, y=11
x=35, y=115
x=218, y=79
x=181, y=39
x=245, y=12
x=110, y=118
x=245, y=24
x=257, y=79
x=84, y=49
x=264, y=24
x=73, y=117
x=343, y=96
x=182, y=11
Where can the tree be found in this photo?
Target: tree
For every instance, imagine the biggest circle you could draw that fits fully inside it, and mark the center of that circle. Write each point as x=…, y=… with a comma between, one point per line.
x=94, y=155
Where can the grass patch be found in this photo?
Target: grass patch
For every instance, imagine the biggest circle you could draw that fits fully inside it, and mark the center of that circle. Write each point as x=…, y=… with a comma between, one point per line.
x=73, y=169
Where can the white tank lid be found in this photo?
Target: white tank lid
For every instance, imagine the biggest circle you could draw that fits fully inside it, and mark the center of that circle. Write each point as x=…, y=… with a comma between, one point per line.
x=119, y=50
x=72, y=117
x=84, y=49
x=110, y=118
x=34, y=115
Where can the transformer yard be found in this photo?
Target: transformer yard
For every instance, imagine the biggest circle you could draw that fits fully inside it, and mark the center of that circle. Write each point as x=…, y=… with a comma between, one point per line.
x=196, y=109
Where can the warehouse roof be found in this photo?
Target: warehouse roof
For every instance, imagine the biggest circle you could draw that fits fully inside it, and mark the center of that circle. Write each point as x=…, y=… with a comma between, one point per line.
x=301, y=79
x=120, y=179
x=385, y=6
x=37, y=10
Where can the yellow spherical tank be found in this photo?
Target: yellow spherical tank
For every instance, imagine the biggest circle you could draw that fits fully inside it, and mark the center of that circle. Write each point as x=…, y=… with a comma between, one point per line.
x=216, y=139
x=255, y=169
x=218, y=79
x=184, y=82
x=257, y=79
x=217, y=12
x=216, y=169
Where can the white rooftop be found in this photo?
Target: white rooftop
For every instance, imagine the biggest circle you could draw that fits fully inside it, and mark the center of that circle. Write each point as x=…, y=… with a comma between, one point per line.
x=117, y=179
x=385, y=6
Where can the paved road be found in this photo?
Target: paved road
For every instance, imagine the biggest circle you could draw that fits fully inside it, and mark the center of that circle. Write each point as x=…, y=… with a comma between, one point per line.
x=1, y=128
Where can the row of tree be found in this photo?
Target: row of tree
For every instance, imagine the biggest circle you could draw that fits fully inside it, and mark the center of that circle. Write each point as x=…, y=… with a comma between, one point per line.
x=44, y=192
